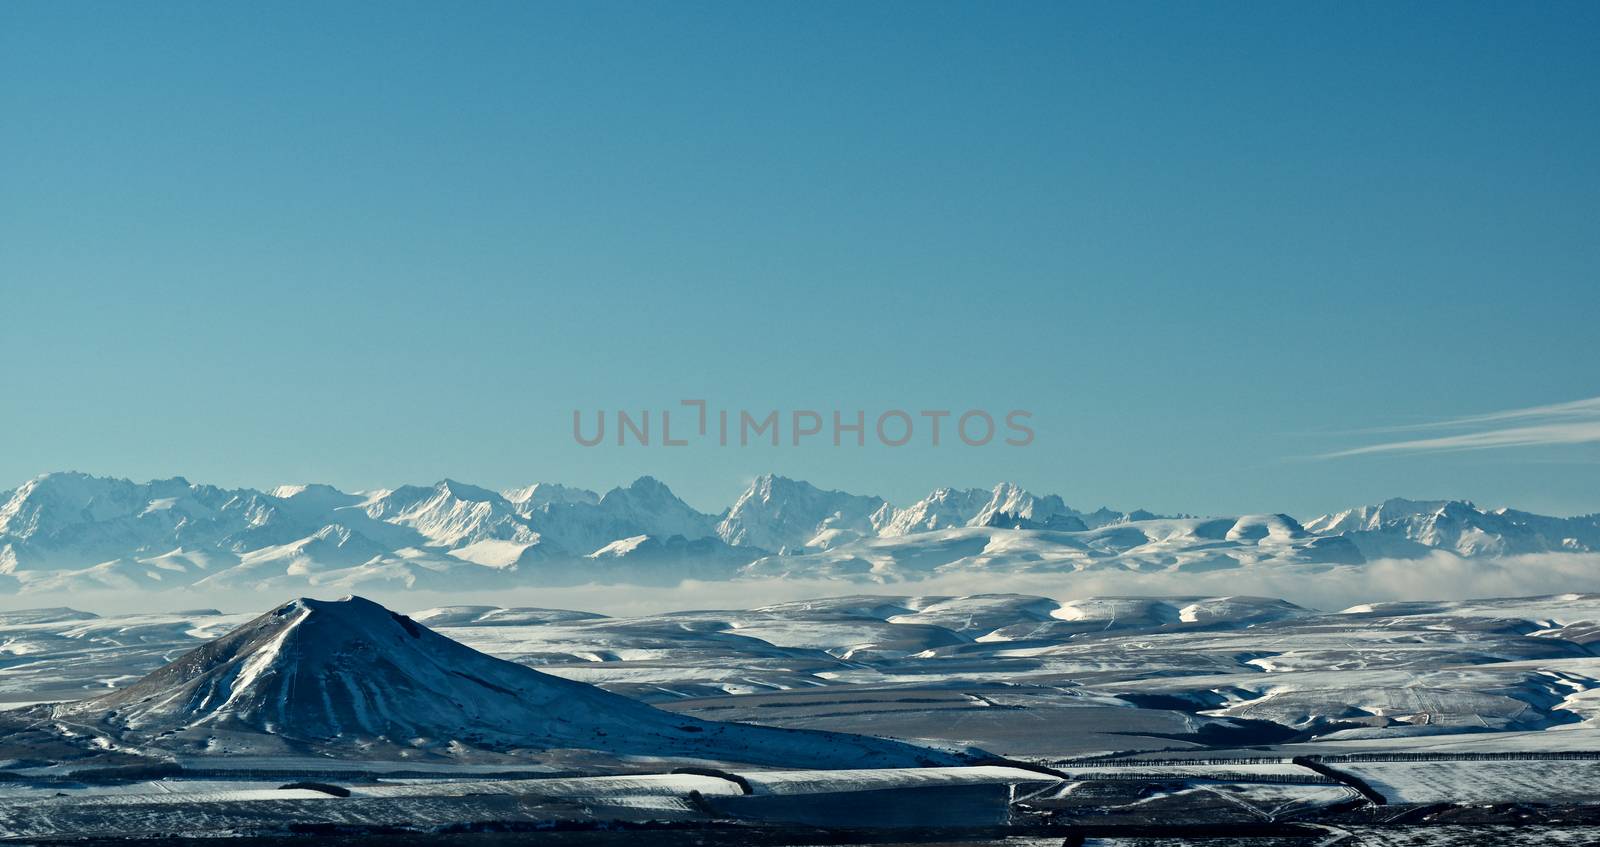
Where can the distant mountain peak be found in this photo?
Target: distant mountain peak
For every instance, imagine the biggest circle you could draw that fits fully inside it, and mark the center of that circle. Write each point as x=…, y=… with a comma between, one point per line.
x=463, y=491
x=542, y=494
x=782, y=514
x=649, y=483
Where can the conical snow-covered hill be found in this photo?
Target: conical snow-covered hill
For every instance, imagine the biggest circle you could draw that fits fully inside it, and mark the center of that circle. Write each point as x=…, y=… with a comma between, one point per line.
x=73, y=531
x=351, y=678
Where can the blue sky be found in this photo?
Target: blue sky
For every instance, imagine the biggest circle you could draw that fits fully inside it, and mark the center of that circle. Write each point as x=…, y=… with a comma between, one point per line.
x=1206, y=245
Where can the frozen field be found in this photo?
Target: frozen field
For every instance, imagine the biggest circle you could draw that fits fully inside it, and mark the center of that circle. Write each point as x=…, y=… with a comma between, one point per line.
x=1525, y=781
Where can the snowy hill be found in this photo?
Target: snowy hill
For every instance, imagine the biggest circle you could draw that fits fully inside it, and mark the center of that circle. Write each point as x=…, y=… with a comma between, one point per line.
x=72, y=531
x=1185, y=545
x=353, y=677
x=1013, y=674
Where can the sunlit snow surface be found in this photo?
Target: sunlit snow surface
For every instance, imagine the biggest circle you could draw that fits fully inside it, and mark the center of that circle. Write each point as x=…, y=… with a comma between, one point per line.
x=1015, y=675
x=1203, y=699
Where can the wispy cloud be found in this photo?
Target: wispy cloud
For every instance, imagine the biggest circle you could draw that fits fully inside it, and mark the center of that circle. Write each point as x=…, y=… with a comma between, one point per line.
x=1577, y=422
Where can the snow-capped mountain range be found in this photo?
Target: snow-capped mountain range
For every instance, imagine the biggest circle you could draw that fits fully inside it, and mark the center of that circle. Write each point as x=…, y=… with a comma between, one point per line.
x=73, y=531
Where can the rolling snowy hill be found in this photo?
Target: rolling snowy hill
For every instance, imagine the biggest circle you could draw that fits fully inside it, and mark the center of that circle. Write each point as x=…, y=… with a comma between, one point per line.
x=1196, y=709
x=72, y=531
x=1008, y=673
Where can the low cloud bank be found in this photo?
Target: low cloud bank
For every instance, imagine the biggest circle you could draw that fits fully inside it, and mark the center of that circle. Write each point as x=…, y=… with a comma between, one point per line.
x=1441, y=576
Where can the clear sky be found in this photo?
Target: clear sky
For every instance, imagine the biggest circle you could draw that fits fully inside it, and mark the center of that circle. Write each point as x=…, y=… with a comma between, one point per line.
x=369, y=244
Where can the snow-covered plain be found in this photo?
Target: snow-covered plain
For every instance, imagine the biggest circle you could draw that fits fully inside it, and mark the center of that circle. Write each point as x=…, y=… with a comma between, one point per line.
x=352, y=679
x=1131, y=709
x=978, y=671
x=1480, y=781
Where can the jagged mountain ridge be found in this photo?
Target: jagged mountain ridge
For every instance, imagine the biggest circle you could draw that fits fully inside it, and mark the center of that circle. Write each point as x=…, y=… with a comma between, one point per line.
x=71, y=530
x=1399, y=527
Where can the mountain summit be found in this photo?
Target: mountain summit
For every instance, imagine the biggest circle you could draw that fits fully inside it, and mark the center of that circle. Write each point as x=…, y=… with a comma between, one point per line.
x=350, y=677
